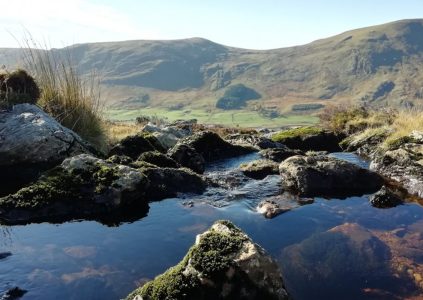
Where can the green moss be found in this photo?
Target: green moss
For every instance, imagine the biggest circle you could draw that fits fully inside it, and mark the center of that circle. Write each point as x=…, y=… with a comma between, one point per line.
x=211, y=257
x=104, y=177
x=296, y=133
x=53, y=186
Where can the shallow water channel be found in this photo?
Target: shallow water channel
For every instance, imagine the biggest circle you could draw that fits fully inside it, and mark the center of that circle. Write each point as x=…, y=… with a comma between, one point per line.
x=330, y=249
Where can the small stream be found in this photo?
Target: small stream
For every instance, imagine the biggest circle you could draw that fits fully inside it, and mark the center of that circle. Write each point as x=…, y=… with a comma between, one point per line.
x=88, y=260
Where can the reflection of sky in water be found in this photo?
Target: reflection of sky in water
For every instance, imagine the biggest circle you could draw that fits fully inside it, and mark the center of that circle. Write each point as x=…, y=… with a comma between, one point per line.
x=86, y=260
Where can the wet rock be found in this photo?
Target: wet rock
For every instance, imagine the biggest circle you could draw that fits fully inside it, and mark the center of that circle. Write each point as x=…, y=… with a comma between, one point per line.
x=276, y=205
x=188, y=157
x=385, y=198
x=31, y=142
x=13, y=294
x=212, y=147
x=252, y=140
x=327, y=176
x=82, y=186
x=279, y=154
x=224, y=263
x=402, y=162
x=133, y=146
x=4, y=255
x=342, y=254
x=166, y=182
x=309, y=138
x=259, y=169
x=158, y=159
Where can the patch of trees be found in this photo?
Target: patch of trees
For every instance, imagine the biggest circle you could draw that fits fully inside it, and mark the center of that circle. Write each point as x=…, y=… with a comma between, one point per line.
x=236, y=97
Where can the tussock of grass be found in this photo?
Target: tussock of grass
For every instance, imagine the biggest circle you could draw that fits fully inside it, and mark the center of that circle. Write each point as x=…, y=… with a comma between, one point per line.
x=118, y=131
x=404, y=124
x=65, y=95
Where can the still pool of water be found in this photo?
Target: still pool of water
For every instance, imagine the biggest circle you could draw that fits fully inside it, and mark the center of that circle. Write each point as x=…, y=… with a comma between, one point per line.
x=330, y=249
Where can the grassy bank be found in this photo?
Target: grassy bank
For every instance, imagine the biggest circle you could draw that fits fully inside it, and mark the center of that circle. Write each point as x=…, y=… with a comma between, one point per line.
x=227, y=118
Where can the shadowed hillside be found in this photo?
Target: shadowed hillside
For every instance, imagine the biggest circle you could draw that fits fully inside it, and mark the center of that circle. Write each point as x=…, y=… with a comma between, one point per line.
x=376, y=65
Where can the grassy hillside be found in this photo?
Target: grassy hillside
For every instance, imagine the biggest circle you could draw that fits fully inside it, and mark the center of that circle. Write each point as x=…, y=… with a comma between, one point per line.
x=377, y=65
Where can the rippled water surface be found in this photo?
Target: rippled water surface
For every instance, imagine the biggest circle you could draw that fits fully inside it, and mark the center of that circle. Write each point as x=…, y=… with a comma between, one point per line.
x=330, y=249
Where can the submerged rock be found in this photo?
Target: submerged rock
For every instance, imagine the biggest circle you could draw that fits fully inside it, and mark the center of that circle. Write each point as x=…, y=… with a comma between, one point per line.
x=31, y=141
x=385, y=198
x=327, y=176
x=188, y=157
x=309, y=138
x=276, y=205
x=212, y=147
x=259, y=169
x=134, y=145
x=13, y=294
x=4, y=255
x=87, y=187
x=279, y=154
x=403, y=162
x=224, y=263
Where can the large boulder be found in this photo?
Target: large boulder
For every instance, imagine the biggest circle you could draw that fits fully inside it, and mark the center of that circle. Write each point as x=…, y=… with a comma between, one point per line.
x=259, y=169
x=133, y=146
x=403, y=163
x=31, y=142
x=91, y=188
x=254, y=140
x=212, y=147
x=188, y=157
x=158, y=159
x=224, y=263
x=169, y=134
x=309, y=139
x=327, y=177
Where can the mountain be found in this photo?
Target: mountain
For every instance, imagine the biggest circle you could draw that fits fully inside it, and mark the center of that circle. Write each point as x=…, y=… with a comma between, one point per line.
x=378, y=65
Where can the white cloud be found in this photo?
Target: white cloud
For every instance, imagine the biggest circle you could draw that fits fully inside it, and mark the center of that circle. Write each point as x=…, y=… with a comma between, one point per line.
x=64, y=22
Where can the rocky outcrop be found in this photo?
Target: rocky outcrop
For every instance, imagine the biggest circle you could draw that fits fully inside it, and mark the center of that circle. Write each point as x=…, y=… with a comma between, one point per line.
x=87, y=187
x=188, y=157
x=212, y=147
x=365, y=143
x=403, y=163
x=133, y=146
x=158, y=159
x=224, y=263
x=170, y=134
x=279, y=154
x=31, y=141
x=309, y=138
x=327, y=177
x=259, y=169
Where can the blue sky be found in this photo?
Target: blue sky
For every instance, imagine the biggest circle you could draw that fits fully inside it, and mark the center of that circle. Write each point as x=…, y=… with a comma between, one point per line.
x=261, y=24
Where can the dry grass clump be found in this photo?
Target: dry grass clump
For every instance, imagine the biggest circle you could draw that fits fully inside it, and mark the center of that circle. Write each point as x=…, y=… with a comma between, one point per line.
x=404, y=124
x=72, y=100
x=117, y=131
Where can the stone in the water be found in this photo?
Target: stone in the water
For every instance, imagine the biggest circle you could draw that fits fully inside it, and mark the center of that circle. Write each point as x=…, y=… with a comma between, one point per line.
x=259, y=169
x=279, y=154
x=326, y=176
x=224, y=263
x=4, y=255
x=385, y=198
x=188, y=157
x=212, y=147
x=13, y=294
x=273, y=206
x=253, y=140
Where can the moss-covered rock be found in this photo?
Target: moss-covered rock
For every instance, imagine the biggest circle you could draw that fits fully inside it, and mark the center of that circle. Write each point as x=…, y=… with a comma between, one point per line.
x=188, y=157
x=365, y=143
x=133, y=146
x=308, y=138
x=279, y=154
x=326, y=176
x=224, y=263
x=159, y=159
x=259, y=169
x=212, y=147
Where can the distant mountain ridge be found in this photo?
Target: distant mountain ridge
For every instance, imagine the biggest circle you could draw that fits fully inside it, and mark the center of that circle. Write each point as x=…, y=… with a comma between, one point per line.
x=376, y=65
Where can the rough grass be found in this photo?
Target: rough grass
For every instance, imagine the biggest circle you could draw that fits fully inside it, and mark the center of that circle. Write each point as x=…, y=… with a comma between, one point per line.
x=403, y=125
x=117, y=131
x=72, y=100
